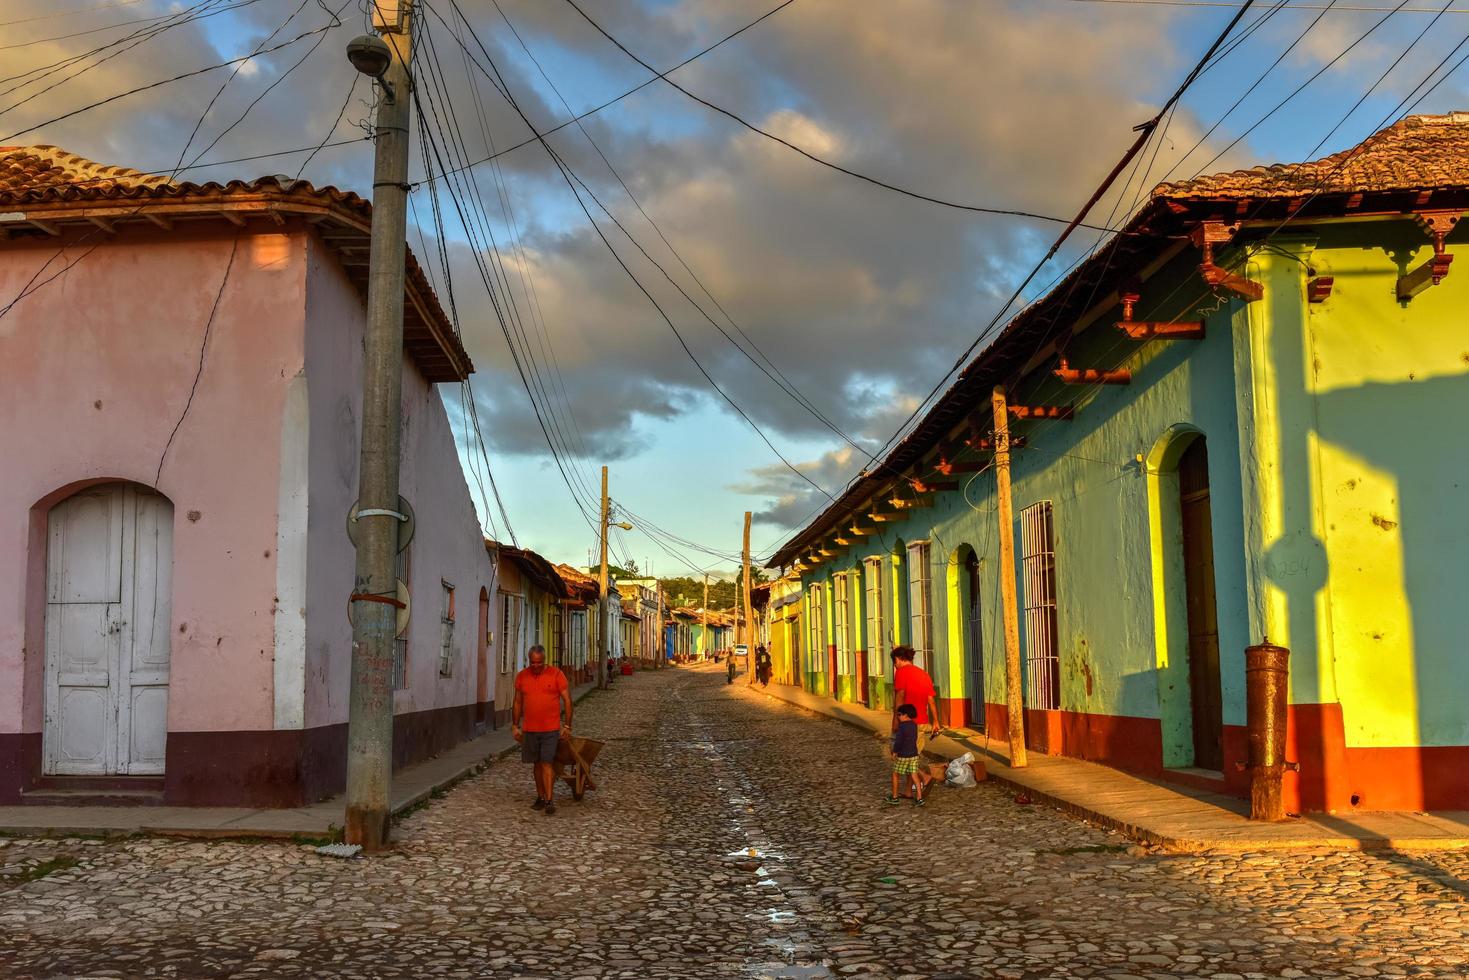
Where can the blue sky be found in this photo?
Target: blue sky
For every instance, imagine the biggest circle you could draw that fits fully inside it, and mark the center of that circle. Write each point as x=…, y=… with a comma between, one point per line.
x=862, y=298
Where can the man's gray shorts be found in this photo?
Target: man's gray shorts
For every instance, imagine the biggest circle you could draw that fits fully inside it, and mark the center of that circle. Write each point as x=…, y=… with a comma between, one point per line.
x=539, y=746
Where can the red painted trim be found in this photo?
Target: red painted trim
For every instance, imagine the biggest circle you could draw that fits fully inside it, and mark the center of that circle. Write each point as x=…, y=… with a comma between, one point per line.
x=1332, y=777
x=957, y=712
x=862, y=675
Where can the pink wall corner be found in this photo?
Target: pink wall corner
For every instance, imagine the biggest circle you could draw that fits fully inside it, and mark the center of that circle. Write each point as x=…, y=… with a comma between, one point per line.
x=447, y=545
x=97, y=369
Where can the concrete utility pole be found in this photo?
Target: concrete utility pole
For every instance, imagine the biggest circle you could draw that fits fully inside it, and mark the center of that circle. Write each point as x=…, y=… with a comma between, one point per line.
x=706, y=613
x=375, y=596
x=749, y=613
x=1014, y=699
x=602, y=580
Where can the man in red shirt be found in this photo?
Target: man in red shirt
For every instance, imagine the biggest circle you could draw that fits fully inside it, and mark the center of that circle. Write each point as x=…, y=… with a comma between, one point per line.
x=541, y=695
x=912, y=685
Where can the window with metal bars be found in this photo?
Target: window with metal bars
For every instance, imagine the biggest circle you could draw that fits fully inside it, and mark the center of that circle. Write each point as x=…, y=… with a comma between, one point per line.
x=1038, y=573
x=817, y=621
x=841, y=621
x=446, y=630
x=876, y=630
x=509, y=630
x=920, y=604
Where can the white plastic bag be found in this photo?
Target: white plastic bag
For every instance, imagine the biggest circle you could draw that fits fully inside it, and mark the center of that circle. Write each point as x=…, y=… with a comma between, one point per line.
x=958, y=774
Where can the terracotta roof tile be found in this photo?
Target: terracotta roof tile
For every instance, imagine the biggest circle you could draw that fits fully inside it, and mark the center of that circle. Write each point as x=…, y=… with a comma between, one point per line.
x=1416, y=154
x=30, y=172
x=59, y=182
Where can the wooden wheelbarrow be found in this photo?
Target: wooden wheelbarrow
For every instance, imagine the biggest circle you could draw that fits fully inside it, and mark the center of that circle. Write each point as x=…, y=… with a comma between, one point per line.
x=574, y=758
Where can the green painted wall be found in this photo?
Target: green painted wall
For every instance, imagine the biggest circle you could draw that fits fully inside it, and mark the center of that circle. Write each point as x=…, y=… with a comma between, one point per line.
x=1337, y=480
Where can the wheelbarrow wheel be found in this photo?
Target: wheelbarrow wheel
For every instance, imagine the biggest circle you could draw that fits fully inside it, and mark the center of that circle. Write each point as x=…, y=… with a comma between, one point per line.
x=579, y=785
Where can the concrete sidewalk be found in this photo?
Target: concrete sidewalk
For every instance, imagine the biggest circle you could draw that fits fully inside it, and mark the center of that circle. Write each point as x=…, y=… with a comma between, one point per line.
x=320, y=821
x=1165, y=815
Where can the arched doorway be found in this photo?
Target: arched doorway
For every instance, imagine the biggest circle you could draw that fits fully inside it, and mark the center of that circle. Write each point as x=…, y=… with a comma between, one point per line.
x=973, y=635
x=109, y=590
x=1205, y=696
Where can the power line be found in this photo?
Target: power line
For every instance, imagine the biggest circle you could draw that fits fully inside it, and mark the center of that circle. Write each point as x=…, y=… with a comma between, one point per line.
x=1145, y=131
x=778, y=377
x=636, y=88
x=875, y=181
x=1353, y=8
x=165, y=81
x=57, y=14
x=564, y=169
x=111, y=27
x=487, y=278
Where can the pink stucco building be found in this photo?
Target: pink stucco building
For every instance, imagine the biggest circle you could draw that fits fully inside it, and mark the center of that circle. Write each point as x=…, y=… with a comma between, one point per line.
x=180, y=372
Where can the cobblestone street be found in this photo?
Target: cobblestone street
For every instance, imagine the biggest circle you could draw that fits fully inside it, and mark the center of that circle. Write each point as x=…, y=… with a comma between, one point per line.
x=729, y=837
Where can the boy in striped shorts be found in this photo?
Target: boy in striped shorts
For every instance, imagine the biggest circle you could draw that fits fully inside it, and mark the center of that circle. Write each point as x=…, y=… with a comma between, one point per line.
x=905, y=755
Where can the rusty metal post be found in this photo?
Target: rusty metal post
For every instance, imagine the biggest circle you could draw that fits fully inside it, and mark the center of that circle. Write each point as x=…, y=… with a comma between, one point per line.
x=1267, y=671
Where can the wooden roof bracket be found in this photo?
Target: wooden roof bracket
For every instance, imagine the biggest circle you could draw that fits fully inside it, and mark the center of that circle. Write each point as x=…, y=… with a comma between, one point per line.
x=1060, y=413
x=948, y=467
x=1154, y=329
x=1069, y=375
x=1206, y=235
x=1437, y=224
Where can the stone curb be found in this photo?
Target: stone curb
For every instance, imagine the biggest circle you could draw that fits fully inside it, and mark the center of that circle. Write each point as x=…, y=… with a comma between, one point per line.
x=459, y=774
x=958, y=744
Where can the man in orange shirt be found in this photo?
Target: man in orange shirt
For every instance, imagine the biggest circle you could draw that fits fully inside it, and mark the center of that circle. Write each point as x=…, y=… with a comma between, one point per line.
x=541, y=695
x=912, y=685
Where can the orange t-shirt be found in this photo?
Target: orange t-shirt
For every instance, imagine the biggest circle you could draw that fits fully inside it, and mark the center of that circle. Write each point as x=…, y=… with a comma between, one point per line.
x=912, y=685
x=540, y=699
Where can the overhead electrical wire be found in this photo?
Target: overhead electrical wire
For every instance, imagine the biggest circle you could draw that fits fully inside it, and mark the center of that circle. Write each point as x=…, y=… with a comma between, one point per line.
x=420, y=94
x=813, y=157
x=1265, y=243
x=764, y=363
x=161, y=82
x=564, y=170
x=454, y=145
x=1145, y=130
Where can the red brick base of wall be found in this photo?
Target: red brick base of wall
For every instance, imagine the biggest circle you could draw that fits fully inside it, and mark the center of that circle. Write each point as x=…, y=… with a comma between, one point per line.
x=1332, y=777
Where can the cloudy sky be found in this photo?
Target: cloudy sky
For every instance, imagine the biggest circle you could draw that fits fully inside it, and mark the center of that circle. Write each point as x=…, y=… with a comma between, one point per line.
x=821, y=306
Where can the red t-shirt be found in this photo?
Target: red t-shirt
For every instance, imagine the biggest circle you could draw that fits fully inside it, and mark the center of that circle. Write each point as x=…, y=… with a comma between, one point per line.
x=912, y=685
x=540, y=699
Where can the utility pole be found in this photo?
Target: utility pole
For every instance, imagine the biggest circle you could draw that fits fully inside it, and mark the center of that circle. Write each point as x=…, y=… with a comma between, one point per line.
x=706, y=613
x=1014, y=699
x=375, y=596
x=749, y=614
x=659, y=653
x=602, y=582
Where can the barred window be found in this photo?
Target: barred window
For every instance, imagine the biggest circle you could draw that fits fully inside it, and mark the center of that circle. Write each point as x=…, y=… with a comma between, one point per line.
x=817, y=652
x=841, y=621
x=1038, y=572
x=446, y=630
x=876, y=632
x=509, y=630
x=920, y=604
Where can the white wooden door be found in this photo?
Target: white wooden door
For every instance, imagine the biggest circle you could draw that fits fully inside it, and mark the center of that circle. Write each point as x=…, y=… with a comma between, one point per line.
x=109, y=584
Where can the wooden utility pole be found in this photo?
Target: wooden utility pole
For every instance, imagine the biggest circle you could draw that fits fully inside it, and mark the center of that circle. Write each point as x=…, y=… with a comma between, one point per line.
x=659, y=654
x=375, y=596
x=749, y=613
x=602, y=584
x=1014, y=698
x=705, y=612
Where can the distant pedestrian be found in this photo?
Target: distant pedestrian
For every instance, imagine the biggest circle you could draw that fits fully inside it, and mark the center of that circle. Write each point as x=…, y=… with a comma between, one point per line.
x=542, y=697
x=913, y=686
x=905, y=755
